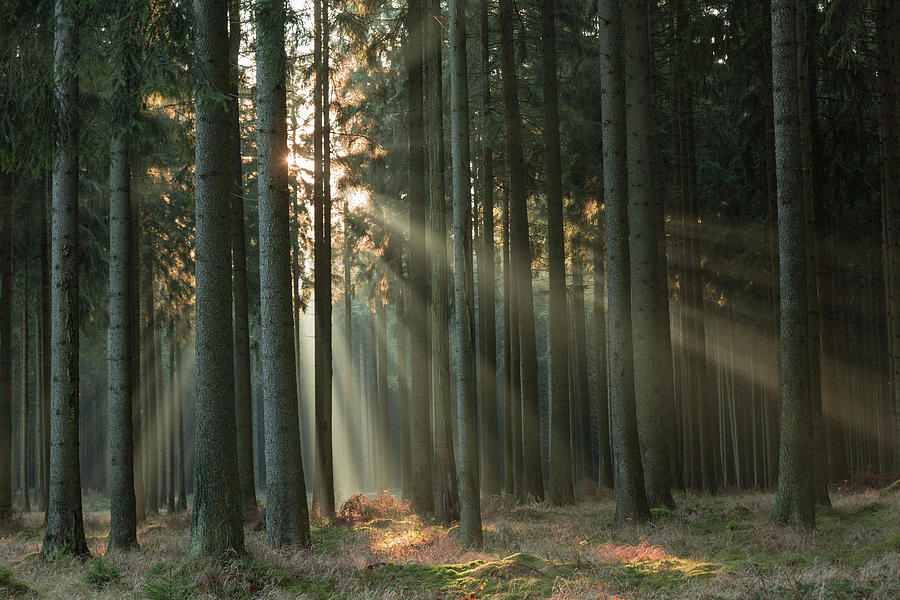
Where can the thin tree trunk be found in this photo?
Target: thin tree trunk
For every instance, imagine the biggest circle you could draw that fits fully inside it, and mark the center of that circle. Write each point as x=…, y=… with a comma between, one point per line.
x=604, y=454
x=181, y=497
x=417, y=321
x=582, y=393
x=45, y=347
x=170, y=419
x=242, y=394
x=467, y=407
x=509, y=446
x=490, y=475
x=532, y=477
x=323, y=492
x=559, y=489
x=65, y=527
x=6, y=285
x=887, y=32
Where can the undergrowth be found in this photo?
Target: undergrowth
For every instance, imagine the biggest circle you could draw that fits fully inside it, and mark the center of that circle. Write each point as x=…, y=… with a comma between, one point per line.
x=721, y=547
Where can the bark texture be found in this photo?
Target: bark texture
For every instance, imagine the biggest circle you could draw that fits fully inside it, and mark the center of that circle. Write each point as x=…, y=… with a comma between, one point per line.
x=287, y=520
x=795, y=497
x=560, y=490
x=649, y=315
x=467, y=409
x=242, y=395
x=631, y=499
x=65, y=527
x=122, y=511
x=216, y=518
x=532, y=481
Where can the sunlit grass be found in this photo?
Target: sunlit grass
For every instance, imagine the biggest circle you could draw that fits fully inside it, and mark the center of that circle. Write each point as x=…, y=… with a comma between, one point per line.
x=709, y=547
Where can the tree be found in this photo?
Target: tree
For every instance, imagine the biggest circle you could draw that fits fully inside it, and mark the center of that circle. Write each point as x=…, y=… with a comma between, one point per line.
x=242, y=399
x=560, y=484
x=887, y=29
x=795, y=498
x=287, y=521
x=216, y=517
x=123, y=515
x=324, y=478
x=650, y=318
x=631, y=500
x=6, y=284
x=446, y=495
x=419, y=397
x=490, y=452
x=467, y=395
x=65, y=527
x=532, y=477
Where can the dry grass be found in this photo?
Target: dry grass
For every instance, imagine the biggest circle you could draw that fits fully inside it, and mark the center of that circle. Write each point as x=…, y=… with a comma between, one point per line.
x=721, y=547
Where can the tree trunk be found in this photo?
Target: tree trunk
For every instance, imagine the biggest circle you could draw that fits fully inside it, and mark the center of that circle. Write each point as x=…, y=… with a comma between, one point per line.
x=487, y=292
x=417, y=322
x=122, y=511
x=45, y=350
x=559, y=489
x=287, y=521
x=652, y=358
x=170, y=419
x=323, y=492
x=242, y=394
x=65, y=527
x=216, y=518
x=887, y=32
x=446, y=499
x=509, y=485
x=532, y=477
x=795, y=499
x=181, y=497
x=6, y=287
x=604, y=454
x=467, y=408
x=582, y=394
x=631, y=500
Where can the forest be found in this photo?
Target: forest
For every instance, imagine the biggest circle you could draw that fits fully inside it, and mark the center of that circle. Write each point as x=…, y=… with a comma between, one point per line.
x=463, y=299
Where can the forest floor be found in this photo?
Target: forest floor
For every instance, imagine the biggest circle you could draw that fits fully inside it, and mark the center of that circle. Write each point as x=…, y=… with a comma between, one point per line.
x=709, y=547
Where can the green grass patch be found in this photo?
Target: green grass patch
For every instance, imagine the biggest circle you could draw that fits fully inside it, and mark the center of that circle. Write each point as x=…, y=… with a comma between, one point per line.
x=10, y=586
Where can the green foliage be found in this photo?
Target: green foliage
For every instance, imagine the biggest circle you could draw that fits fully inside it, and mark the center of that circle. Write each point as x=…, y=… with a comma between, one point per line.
x=167, y=583
x=10, y=586
x=97, y=573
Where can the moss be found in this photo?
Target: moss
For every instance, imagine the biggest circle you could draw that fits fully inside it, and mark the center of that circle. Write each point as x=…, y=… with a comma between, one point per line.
x=517, y=576
x=891, y=489
x=8, y=585
x=666, y=573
